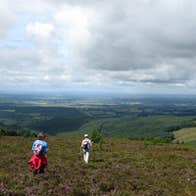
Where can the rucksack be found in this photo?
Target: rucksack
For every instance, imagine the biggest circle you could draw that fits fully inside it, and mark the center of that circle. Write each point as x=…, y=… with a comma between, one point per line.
x=38, y=149
x=86, y=145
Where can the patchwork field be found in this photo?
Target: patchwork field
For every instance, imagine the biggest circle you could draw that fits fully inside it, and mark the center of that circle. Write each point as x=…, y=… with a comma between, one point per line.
x=119, y=167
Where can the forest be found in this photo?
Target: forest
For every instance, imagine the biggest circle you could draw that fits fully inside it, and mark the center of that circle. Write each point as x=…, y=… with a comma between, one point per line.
x=134, y=117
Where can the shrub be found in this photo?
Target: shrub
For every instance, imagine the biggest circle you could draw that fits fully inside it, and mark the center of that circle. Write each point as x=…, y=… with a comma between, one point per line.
x=96, y=136
x=15, y=133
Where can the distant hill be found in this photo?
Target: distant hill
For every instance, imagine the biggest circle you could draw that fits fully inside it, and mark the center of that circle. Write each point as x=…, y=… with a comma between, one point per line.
x=135, y=118
x=186, y=135
x=140, y=127
x=53, y=120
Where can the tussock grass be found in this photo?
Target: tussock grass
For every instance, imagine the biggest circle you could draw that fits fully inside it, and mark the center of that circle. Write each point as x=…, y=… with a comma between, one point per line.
x=122, y=167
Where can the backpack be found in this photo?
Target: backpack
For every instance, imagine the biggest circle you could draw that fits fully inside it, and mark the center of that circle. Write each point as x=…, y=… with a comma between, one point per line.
x=38, y=149
x=86, y=145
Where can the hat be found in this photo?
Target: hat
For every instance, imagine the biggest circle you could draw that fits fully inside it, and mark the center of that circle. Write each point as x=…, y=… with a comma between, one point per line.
x=85, y=135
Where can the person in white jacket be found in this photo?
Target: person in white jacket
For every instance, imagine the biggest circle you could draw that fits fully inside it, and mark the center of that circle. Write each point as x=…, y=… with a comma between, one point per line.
x=85, y=146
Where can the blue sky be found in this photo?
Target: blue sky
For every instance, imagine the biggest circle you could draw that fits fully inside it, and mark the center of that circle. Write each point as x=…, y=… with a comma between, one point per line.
x=143, y=46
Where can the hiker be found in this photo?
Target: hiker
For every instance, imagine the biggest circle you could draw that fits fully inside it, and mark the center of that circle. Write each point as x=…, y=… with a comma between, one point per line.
x=85, y=146
x=38, y=162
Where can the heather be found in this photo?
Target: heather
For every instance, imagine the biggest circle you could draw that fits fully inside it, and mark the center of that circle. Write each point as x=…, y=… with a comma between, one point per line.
x=117, y=167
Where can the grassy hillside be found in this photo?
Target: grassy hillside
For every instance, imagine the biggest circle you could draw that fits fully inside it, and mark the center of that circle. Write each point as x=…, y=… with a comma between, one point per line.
x=140, y=127
x=122, y=167
x=186, y=135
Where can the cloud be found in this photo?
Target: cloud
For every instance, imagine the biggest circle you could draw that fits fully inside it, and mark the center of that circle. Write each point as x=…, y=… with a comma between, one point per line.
x=40, y=30
x=7, y=18
x=106, y=44
x=145, y=35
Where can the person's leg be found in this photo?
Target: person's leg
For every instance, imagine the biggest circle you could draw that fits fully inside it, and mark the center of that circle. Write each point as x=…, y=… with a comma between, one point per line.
x=84, y=156
x=87, y=157
x=35, y=172
x=42, y=168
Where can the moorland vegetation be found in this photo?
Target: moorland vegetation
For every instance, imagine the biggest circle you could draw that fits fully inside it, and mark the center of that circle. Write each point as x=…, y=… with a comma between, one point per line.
x=120, y=167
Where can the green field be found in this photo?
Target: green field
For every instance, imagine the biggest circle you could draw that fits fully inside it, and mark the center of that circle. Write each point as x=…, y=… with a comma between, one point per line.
x=186, y=135
x=121, y=167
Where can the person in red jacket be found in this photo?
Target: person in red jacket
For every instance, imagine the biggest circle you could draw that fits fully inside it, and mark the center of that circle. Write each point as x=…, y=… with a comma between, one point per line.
x=38, y=162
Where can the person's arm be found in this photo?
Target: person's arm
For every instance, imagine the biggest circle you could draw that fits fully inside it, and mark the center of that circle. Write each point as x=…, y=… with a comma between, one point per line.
x=46, y=147
x=81, y=146
x=33, y=146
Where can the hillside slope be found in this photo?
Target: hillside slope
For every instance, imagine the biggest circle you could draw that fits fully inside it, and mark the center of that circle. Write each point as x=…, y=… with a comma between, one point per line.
x=186, y=135
x=122, y=167
x=140, y=127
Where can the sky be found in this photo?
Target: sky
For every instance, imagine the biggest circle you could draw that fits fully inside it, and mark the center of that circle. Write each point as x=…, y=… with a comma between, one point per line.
x=133, y=46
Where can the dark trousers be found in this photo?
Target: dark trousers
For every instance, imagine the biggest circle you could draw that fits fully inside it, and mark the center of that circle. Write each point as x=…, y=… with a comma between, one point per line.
x=41, y=170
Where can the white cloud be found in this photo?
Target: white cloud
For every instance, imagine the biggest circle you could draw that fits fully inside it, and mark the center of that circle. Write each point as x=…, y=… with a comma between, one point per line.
x=40, y=30
x=73, y=25
x=7, y=18
x=98, y=43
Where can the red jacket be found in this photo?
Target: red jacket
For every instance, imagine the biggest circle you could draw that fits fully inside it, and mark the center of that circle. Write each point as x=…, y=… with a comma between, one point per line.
x=37, y=161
